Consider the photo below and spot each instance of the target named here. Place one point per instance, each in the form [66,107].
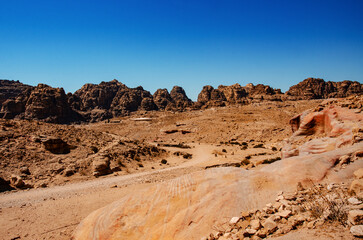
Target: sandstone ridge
[96,102]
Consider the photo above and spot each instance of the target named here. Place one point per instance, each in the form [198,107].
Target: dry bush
[329,205]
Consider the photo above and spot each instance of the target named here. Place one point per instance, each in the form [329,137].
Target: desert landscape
[241,162]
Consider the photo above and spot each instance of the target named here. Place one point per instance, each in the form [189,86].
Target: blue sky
[159,44]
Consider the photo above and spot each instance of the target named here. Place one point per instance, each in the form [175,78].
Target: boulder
[269,225]
[17,181]
[56,145]
[101,166]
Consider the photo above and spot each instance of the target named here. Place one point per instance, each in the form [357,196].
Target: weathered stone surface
[354,201]
[335,123]
[49,104]
[269,225]
[317,88]
[255,224]
[5,185]
[17,181]
[234,220]
[180,98]
[358,173]
[92,96]
[56,145]
[101,166]
[355,217]
[357,231]
[356,186]
[163,99]
[284,213]
[11,89]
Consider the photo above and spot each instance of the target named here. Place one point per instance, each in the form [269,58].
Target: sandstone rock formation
[181,208]
[324,129]
[95,102]
[236,94]
[317,88]
[11,89]
[49,104]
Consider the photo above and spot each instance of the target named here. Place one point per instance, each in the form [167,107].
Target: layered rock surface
[317,88]
[190,206]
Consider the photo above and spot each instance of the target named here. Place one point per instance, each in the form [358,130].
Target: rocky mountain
[11,89]
[95,102]
[317,88]
[236,94]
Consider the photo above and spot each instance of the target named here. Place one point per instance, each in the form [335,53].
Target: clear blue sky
[191,43]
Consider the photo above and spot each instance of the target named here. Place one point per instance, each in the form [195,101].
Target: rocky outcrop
[92,96]
[163,100]
[130,100]
[186,202]
[49,104]
[177,100]
[96,102]
[317,88]
[11,89]
[236,94]
[180,98]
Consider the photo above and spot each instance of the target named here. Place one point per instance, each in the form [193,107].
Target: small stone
[255,224]
[284,229]
[354,201]
[330,186]
[355,217]
[357,230]
[234,220]
[227,235]
[269,225]
[262,233]
[284,214]
[251,231]
[25,170]
[17,181]
[290,196]
[279,198]
[311,224]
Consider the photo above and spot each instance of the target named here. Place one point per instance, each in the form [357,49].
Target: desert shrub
[329,205]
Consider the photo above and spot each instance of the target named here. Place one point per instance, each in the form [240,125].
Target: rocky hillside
[95,102]
[317,88]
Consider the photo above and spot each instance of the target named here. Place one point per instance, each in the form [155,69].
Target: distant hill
[96,102]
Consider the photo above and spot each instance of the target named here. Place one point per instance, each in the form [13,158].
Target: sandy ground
[54,212]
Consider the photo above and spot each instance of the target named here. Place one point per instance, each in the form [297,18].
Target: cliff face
[317,88]
[236,94]
[95,102]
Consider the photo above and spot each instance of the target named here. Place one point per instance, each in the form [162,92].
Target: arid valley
[237,168]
